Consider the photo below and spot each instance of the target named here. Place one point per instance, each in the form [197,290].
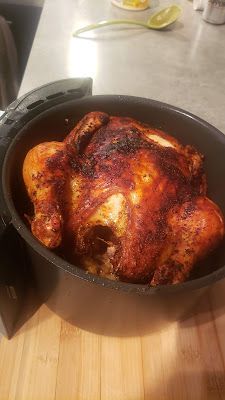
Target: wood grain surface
[50,359]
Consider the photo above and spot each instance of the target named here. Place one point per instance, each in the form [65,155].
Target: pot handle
[44,96]
[14,278]
[13,271]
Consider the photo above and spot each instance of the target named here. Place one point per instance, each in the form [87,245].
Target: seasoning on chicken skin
[124,200]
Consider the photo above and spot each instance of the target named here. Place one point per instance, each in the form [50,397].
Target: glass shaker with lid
[214,11]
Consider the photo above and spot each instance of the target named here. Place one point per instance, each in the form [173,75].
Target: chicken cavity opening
[102,251]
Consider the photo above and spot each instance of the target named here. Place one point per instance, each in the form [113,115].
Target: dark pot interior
[56,122]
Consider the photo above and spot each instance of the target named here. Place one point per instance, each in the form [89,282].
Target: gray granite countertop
[183,66]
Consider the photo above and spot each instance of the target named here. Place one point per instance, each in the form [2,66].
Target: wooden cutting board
[51,359]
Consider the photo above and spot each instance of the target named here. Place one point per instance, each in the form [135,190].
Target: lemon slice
[164,17]
[138,5]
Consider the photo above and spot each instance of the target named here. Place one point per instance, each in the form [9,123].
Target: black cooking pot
[91,302]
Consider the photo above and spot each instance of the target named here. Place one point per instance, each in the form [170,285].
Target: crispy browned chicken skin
[124,200]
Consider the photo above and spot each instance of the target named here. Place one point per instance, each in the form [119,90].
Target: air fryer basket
[65,287]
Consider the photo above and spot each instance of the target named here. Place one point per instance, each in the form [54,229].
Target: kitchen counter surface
[183,66]
[49,358]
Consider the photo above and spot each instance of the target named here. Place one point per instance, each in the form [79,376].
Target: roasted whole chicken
[123,200]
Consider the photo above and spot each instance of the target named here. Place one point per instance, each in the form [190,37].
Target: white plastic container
[198,5]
